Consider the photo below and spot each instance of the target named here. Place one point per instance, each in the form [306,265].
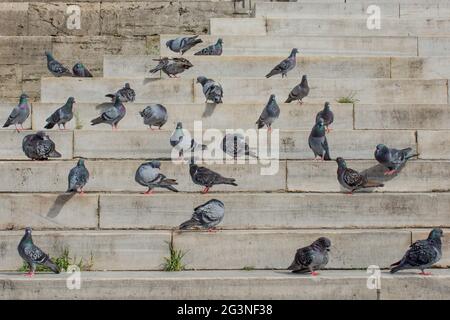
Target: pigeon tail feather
[188,224]
[49,125]
[50,264]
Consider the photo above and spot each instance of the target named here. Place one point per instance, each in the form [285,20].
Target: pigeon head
[272,97]
[304,80]
[436,233]
[71,100]
[49,55]
[201,80]
[127,85]
[381,149]
[326,107]
[23,97]
[294,52]
[169,43]
[42,135]
[155,164]
[219,41]
[179,125]
[323,243]
[28,231]
[79,65]
[341,162]
[80,163]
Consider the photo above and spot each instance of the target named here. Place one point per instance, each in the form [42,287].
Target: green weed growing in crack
[175,261]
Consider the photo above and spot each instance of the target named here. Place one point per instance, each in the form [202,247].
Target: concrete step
[434,144]
[420,67]
[433,46]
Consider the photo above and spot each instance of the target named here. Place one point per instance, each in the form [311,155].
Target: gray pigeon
[327,115]
[235,146]
[148,175]
[126,94]
[78,177]
[270,113]
[422,254]
[112,115]
[39,146]
[299,91]
[351,179]
[56,68]
[33,256]
[172,67]
[211,89]
[79,70]
[318,141]
[312,257]
[393,159]
[182,44]
[154,115]
[212,50]
[206,216]
[19,114]
[207,178]
[284,66]
[178,141]
[62,115]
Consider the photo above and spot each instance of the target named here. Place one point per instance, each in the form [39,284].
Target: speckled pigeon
[78,177]
[318,141]
[39,146]
[299,91]
[62,115]
[19,113]
[270,113]
[79,70]
[172,67]
[351,179]
[212,50]
[178,141]
[154,115]
[126,94]
[327,115]
[148,175]
[284,66]
[422,254]
[206,216]
[182,44]
[112,115]
[56,68]
[207,178]
[393,159]
[211,89]
[33,256]
[235,146]
[312,257]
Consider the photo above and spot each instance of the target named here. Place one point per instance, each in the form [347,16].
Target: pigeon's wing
[34,254]
[353,178]
[304,257]
[420,253]
[55,117]
[110,114]
[15,113]
[209,212]
[206,176]
[319,115]
[208,51]
[57,67]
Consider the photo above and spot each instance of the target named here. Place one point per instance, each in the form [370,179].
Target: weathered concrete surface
[420,67]
[18,211]
[14,19]
[111,250]
[423,234]
[275,249]
[321,177]
[280,210]
[237,26]
[429,9]
[5,111]
[434,46]
[434,144]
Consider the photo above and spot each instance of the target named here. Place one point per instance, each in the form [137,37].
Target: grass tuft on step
[175,261]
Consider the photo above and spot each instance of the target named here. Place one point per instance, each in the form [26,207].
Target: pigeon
[39,146]
[207,178]
[183,44]
[212,50]
[154,115]
[178,141]
[172,67]
[299,91]
[327,115]
[126,94]
[211,89]
[312,257]
[19,114]
[206,216]
[270,113]
[112,115]
[318,141]
[33,256]
[284,66]
[79,70]
[62,115]
[393,159]
[235,146]
[422,254]
[148,175]
[56,68]
[78,177]
[351,179]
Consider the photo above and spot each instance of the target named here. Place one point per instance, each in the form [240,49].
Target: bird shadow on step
[60,202]
[376,173]
[209,110]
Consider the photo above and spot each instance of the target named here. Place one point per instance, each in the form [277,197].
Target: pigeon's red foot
[350,193]
[81,192]
[328,130]
[269,130]
[148,192]
[29,274]
[314,273]
[390,172]
[204,191]
[423,273]
[212,230]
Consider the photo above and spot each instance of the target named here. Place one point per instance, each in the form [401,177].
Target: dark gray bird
[393,159]
[154,115]
[312,257]
[327,115]
[126,94]
[207,178]
[56,68]
[62,115]
[206,216]
[148,175]
[299,91]
[270,113]
[211,89]
[34,256]
[212,50]
[172,67]
[39,146]
[318,141]
[19,113]
[178,141]
[351,179]
[284,66]
[183,44]
[112,115]
[78,177]
[235,146]
[79,70]
[422,254]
